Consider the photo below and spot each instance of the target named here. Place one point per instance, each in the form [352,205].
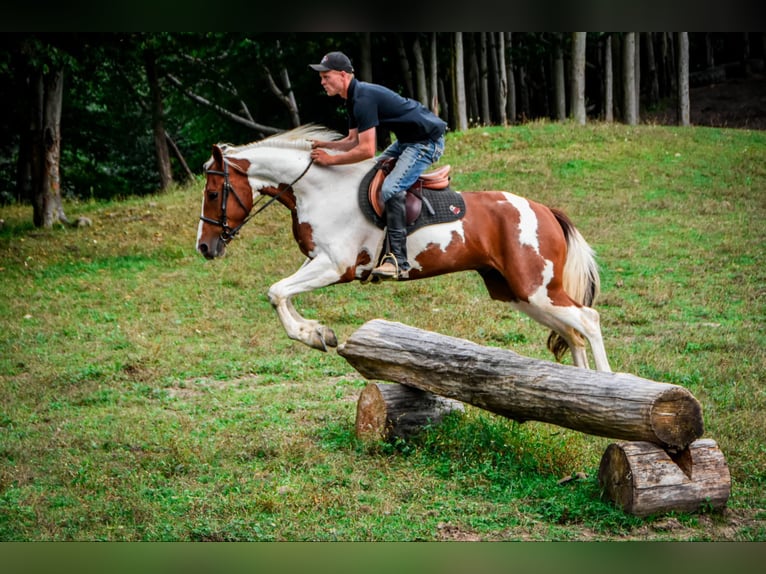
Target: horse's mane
[297,138]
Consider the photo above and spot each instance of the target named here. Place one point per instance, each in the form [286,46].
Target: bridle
[228,233]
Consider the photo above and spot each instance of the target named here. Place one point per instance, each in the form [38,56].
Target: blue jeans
[413,159]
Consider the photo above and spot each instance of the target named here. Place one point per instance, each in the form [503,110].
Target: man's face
[332,82]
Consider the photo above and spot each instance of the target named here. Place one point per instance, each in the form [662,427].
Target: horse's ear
[217,154]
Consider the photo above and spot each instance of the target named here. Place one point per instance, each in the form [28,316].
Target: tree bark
[511,79]
[608,80]
[578,77]
[559,81]
[365,65]
[486,120]
[462,118]
[653,93]
[644,479]
[158,123]
[434,103]
[683,79]
[613,405]
[389,411]
[629,78]
[502,75]
[404,65]
[48,92]
[420,71]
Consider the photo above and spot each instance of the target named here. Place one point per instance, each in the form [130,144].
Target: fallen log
[388,411]
[643,479]
[613,405]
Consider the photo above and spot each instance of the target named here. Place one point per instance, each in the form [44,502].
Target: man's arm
[355,147]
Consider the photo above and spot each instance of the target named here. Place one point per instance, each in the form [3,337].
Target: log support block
[389,411]
[643,478]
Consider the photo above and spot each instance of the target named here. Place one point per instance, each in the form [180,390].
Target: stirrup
[398,272]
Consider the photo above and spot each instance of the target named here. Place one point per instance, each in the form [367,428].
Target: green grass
[146,394]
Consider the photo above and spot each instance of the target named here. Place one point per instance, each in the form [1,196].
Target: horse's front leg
[315,273]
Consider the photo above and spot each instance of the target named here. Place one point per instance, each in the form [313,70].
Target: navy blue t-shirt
[371,105]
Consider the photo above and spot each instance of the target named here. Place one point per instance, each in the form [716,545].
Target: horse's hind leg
[572,323]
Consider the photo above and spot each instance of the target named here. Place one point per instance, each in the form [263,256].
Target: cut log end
[676,418]
[644,479]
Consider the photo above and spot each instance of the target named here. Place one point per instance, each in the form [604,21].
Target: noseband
[228,233]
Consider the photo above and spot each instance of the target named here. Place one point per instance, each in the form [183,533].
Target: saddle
[435,180]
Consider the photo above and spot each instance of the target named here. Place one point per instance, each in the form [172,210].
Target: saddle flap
[374,193]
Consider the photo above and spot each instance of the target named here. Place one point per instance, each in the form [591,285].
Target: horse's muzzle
[216,247]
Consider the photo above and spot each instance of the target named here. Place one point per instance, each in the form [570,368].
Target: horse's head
[226,204]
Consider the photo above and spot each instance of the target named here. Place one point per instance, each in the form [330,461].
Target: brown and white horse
[529,255]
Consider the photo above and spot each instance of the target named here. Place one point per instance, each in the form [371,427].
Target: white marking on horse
[527,221]
[441,235]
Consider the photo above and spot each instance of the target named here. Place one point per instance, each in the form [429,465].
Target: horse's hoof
[329,338]
[322,338]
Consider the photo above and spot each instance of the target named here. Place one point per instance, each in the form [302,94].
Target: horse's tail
[581,278]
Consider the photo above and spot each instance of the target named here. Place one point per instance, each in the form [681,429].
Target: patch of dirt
[733,103]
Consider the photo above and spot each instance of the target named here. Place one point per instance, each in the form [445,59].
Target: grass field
[147,394]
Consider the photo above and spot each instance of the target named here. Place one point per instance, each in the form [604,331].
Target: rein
[229,233]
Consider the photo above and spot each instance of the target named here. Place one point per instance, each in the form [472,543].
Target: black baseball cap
[334,61]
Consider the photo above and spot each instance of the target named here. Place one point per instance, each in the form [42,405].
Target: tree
[511,78]
[559,80]
[578,77]
[43,77]
[158,119]
[462,117]
[683,78]
[630,100]
[502,73]
[608,80]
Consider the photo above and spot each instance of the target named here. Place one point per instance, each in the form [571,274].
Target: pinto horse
[529,255]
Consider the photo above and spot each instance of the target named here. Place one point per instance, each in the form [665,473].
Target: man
[419,143]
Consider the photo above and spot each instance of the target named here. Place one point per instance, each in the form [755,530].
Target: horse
[529,255]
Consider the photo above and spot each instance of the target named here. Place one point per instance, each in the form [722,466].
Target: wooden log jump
[613,405]
[664,467]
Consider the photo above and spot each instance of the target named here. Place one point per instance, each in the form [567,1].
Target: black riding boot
[395,264]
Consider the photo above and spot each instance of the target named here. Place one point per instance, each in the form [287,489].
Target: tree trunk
[486,119]
[653,94]
[683,79]
[615,405]
[608,81]
[526,110]
[420,72]
[46,149]
[364,70]
[578,77]
[473,83]
[644,479]
[404,65]
[502,72]
[559,81]
[511,79]
[158,123]
[637,73]
[389,411]
[462,117]
[434,103]
[629,78]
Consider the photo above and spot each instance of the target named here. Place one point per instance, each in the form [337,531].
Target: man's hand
[321,157]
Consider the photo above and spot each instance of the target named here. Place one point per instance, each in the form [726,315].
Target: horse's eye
[212,195]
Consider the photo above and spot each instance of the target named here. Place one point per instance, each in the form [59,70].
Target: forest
[106,115]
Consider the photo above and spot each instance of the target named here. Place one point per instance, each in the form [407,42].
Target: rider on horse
[419,143]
